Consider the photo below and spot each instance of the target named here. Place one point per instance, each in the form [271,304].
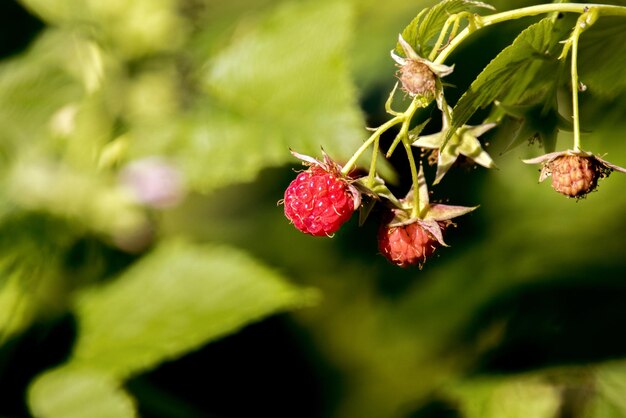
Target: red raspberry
[406,245]
[574,175]
[318,202]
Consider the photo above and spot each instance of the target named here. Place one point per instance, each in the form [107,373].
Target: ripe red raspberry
[574,175]
[406,245]
[318,201]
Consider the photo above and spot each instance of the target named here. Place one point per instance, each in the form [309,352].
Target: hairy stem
[372,172]
[414,178]
[442,35]
[404,118]
[373,138]
[407,116]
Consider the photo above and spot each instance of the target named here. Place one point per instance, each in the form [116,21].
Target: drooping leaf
[537,121]
[174,300]
[424,29]
[284,83]
[77,393]
[528,66]
[602,56]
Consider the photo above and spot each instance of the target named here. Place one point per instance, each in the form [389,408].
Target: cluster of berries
[321,199]
[324,196]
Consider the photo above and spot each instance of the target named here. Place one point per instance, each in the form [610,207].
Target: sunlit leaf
[283,83]
[602,56]
[522,69]
[115,23]
[424,29]
[33,87]
[516,397]
[174,300]
[77,393]
[609,401]
[97,202]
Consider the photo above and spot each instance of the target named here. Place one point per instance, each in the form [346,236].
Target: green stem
[406,116]
[482,21]
[574,73]
[584,21]
[372,139]
[442,35]
[372,172]
[414,178]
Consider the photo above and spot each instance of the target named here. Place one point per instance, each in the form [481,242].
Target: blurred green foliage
[105,298]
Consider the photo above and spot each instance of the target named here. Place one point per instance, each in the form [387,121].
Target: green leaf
[78,393]
[93,200]
[283,84]
[537,121]
[521,70]
[115,23]
[424,29]
[516,397]
[174,300]
[33,86]
[609,387]
[32,278]
[602,56]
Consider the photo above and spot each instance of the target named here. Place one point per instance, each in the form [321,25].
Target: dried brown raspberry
[417,78]
[418,75]
[574,175]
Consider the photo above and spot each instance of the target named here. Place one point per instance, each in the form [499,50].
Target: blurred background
[146,269]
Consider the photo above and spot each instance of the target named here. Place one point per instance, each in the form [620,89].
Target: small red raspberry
[406,245]
[318,202]
[574,175]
